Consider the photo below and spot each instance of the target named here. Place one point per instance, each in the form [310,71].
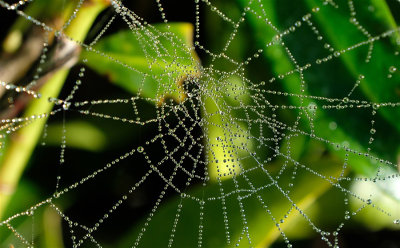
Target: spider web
[222,160]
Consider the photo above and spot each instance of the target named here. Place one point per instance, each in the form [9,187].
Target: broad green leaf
[152,62]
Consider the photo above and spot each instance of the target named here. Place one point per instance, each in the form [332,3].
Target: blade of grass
[377,87]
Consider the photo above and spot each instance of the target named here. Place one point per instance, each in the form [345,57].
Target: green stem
[23,142]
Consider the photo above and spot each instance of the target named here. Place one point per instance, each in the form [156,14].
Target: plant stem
[23,142]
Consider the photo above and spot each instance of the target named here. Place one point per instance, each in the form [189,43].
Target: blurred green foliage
[331,79]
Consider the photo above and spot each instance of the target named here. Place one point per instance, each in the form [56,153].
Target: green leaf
[380,85]
[342,135]
[152,62]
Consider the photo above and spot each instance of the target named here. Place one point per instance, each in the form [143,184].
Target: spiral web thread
[235,152]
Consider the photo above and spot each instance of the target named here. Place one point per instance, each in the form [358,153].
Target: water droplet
[312,107]
[316,9]
[140,149]
[392,69]
[332,125]
[66,105]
